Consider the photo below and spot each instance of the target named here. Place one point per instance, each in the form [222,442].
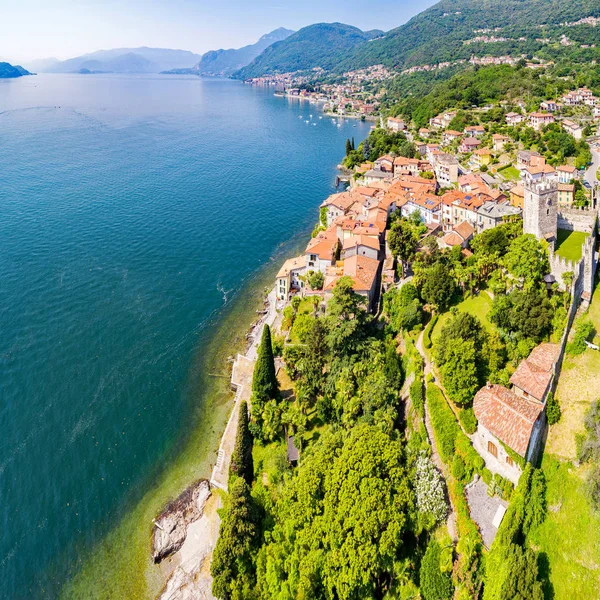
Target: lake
[133,212]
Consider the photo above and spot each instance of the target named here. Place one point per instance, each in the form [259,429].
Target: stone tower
[540,208]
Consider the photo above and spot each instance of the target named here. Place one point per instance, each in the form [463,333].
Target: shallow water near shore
[138,214]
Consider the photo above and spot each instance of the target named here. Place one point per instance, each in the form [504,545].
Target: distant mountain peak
[225,62]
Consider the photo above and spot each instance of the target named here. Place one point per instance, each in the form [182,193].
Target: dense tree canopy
[341,522]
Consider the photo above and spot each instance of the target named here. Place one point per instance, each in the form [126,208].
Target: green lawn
[569,538]
[510,173]
[569,244]
[479,306]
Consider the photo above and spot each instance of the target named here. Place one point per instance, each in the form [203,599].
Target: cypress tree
[348,147]
[241,459]
[353,146]
[232,566]
[264,380]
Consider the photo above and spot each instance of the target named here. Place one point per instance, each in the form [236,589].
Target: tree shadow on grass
[544,572]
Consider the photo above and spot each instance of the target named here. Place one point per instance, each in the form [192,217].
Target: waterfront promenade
[241,380]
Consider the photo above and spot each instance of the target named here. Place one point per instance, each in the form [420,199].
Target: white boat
[314,124]
[306,122]
[339,124]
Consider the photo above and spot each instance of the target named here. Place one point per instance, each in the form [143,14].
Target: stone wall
[577,219]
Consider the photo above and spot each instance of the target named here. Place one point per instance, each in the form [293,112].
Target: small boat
[314,124]
[306,122]
[339,124]
[299,116]
[320,117]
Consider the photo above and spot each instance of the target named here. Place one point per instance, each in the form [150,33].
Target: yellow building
[517,196]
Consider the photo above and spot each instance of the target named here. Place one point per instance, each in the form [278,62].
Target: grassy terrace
[479,306]
[510,173]
[569,538]
[569,244]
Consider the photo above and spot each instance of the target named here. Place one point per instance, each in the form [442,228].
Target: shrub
[553,411]
[435,585]
[468,420]
[473,462]
[583,332]
[486,475]
[429,491]
[416,395]
[445,427]
[428,330]
[592,486]
[315,279]
[458,468]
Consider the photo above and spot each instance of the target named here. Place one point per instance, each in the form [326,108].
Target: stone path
[241,380]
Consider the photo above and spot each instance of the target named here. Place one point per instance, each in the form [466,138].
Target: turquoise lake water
[132,210]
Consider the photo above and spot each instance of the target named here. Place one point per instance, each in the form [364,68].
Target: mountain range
[8,71]
[119,60]
[224,62]
[448,31]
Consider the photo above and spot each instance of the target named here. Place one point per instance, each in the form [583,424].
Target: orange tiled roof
[323,244]
[452,239]
[507,416]
[535,372]
[292,264]
[363,271]
[361,240]
[465,230]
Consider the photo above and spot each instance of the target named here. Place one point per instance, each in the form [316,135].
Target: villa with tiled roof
[511,421]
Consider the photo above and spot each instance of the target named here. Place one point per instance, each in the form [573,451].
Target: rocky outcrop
[170,527]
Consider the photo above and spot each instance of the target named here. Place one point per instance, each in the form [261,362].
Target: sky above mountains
[32,29]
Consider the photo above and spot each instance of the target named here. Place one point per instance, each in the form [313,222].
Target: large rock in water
[170,527]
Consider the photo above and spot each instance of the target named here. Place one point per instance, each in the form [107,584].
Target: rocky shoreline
[187,529]
[170,527]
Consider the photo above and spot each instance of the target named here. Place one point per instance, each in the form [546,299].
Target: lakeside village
[453,197]
[358,94]
[437,296]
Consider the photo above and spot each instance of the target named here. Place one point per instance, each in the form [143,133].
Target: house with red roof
[510,422]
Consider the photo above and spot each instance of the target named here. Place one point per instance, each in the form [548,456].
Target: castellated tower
[540,208]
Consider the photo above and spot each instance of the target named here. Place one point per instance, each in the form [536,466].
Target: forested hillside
[319,45]
[437,34]
[449,31]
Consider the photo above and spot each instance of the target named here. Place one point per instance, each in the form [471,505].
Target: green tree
[459,371]
[553,411]
[341,522]
[435,585]
[241,459]
[264,380]
[461,326]
[438,286]
[403,241]
[527,258]
[316,279]
[346,318]
[521,579]
[348,147]
[232,564]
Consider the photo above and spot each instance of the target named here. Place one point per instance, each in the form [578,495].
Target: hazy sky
[65,28]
